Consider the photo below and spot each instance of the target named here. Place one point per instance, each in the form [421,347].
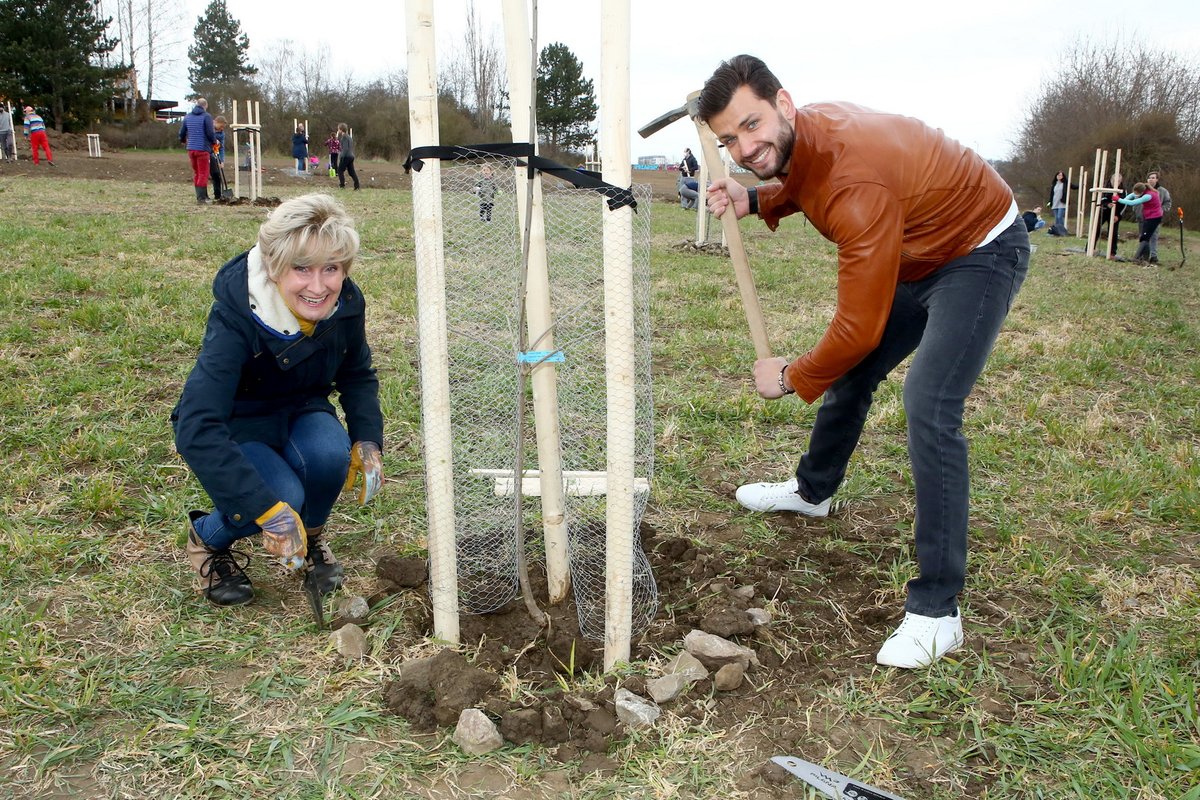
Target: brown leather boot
[221,576]
[322,563]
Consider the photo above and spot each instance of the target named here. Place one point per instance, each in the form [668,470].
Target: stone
[476,734]
[687,665]
[758,616]
[667,687]
[350,641]
[729,677]
[634,711]
[726,622]
[715,652]
[351,611]
[744,592]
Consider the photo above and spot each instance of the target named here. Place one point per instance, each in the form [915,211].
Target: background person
[1146,199]
[345,156]
[334,147]
[300,150]
[254,421]
[8,141]
[35,132]
[689,166]
[216,159]
[1164,198]
[1058,203]
[931,253]
[199,135]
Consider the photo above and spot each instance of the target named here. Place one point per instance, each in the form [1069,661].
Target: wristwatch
[753,193]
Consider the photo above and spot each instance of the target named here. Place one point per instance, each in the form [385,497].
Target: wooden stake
[1093,220]
[431,322]
[1114,208]
[237,154]
[1067,199]
[619,356]
[1083,187]
[256,192]
[702,180]
[539,315]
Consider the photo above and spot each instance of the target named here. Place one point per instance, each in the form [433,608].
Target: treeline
[1142,100]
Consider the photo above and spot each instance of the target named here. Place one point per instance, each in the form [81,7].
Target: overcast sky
[970,68]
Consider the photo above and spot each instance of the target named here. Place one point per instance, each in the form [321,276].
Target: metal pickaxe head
[689,109]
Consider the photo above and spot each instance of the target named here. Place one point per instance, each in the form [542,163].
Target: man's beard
[783,149]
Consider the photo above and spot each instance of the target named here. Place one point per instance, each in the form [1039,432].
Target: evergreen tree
[566,101]
[218,54]
[50,53]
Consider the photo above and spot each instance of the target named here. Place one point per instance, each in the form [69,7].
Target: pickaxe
[733,235]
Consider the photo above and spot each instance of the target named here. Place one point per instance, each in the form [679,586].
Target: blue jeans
[307,474]
[951,319]
[1060,219]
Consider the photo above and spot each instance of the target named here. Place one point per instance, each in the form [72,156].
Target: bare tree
[486,70]
[142,46]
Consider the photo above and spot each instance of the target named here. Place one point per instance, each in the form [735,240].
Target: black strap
[523,153]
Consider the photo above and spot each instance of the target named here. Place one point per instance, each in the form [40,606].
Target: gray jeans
[950,319]
[7,145]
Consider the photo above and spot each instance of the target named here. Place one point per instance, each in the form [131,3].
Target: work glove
[284,535]
[365,460]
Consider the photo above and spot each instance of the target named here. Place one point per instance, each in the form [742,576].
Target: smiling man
[931,253]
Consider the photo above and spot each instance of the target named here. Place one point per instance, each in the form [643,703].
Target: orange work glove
[366,460]
[284,535]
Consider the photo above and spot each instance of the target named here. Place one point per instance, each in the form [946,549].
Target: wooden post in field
[1094,219]
[431,322]
[237,168]
[539,317]
[256,166]
[619,356]
[1066,200]
[1115,208]
[702,180]
[1083,187]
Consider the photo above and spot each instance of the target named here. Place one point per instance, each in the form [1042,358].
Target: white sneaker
[780,497]
[919,641]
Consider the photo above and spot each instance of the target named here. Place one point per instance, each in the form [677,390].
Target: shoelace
[224,564]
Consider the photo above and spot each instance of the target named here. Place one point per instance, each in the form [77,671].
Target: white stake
[256,192]
[620,356]
[237,154]
[1115,208]
[706,174]
[431,322]
[538,313]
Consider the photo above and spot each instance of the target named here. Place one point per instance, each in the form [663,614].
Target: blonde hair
[312,229]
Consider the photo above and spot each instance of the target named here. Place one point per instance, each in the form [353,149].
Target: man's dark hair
[733,74]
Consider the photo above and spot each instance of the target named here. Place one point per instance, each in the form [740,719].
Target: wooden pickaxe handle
[733,236]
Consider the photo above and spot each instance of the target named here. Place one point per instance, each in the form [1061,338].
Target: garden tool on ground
[831,784]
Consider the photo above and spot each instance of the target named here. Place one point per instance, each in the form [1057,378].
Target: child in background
[334,147]
[217,159]
[485,188]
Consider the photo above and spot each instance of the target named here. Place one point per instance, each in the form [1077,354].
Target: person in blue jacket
[300,150]
[197,132]
[254,421]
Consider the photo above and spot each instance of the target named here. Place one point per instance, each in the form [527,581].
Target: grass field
[1082,609]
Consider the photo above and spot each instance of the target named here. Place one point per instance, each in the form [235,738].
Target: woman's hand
[366,460]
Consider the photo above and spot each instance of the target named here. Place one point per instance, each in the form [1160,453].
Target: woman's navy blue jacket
[249,383]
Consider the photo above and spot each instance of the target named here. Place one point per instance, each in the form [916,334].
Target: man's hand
[724,191]
[365,460]
[767,372]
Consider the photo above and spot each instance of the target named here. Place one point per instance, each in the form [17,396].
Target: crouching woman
[254,421]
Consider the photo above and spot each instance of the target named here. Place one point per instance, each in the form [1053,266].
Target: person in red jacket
[931,253]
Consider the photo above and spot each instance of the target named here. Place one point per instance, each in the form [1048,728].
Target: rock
[687,665]
[758,616]
[581,703]
[715,652]
[726,622]
[351,611]
[667,687]
[476,734]
[634,711]
[744,592]
[350,641]
[729,677]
